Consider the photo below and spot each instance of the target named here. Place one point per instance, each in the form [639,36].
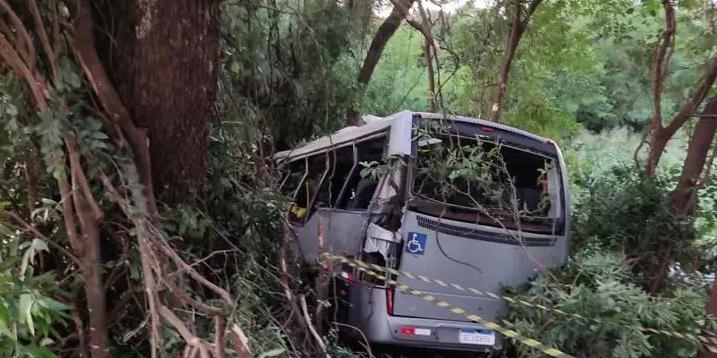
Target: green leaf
[11,110]
[74,80]
[25,306]
[35,246]
[53,304]
[272,353]
[4,321]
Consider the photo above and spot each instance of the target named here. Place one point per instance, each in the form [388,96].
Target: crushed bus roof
[375,124]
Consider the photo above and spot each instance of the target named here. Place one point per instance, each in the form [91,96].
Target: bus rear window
[470,179]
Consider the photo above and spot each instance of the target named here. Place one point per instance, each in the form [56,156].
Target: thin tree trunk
[89,217]
[94,288]
[694,165]
[384,33]
[658,143]
[429,54]
[663,53]
[511,46]
[657,134]
[33,175]
[658,137]
[516,34]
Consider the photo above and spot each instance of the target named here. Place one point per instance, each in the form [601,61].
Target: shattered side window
[341,162]
[309,188]
[296,172]
[359,190]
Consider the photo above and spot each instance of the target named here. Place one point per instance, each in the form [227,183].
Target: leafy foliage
[599,285]
[288,74]
[29,317]
[289,66]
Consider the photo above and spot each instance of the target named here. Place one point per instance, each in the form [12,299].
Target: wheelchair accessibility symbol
[416,243]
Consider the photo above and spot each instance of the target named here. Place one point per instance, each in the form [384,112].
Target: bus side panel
[470,262]
[341,233]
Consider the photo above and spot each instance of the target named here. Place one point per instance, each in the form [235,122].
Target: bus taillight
[389,300]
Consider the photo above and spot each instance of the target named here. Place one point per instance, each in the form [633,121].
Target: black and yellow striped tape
[709,343]
[527,341]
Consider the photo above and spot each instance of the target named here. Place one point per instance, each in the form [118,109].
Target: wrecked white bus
[460,200]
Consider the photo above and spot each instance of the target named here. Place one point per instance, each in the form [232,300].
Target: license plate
[471,336]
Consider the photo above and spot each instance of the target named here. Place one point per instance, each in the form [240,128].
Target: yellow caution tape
[532,343]
[710,343]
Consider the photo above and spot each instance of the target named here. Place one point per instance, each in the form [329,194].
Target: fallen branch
[307,318]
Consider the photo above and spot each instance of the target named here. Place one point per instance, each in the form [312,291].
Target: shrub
[622,212]
[29,317]
[598,285]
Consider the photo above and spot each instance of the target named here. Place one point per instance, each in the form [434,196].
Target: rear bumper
[443,334]
[369,313]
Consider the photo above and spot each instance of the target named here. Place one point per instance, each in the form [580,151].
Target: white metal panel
[399,143]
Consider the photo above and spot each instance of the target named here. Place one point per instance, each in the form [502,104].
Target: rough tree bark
[163,58]
[384,33]
[519,24]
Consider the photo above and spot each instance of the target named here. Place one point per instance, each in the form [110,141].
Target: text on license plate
[471,336]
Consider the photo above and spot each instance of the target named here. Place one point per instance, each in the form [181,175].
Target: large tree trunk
[711,310]
[516,33]
[384,33]
[684,197]
[163,58]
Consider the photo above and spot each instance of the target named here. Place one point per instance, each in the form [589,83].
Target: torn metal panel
[380,240]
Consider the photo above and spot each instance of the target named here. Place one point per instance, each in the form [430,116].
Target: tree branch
[79,179]
[529,12]
[661,62]
[39,235]
[169,252]
[404,11]
[23,36]
[691,106]
[312,330]
[55,21]
[44,39]
[13,60]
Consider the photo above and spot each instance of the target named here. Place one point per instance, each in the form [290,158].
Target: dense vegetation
[113,247]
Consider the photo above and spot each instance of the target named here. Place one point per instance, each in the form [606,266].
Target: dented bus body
[394,218]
